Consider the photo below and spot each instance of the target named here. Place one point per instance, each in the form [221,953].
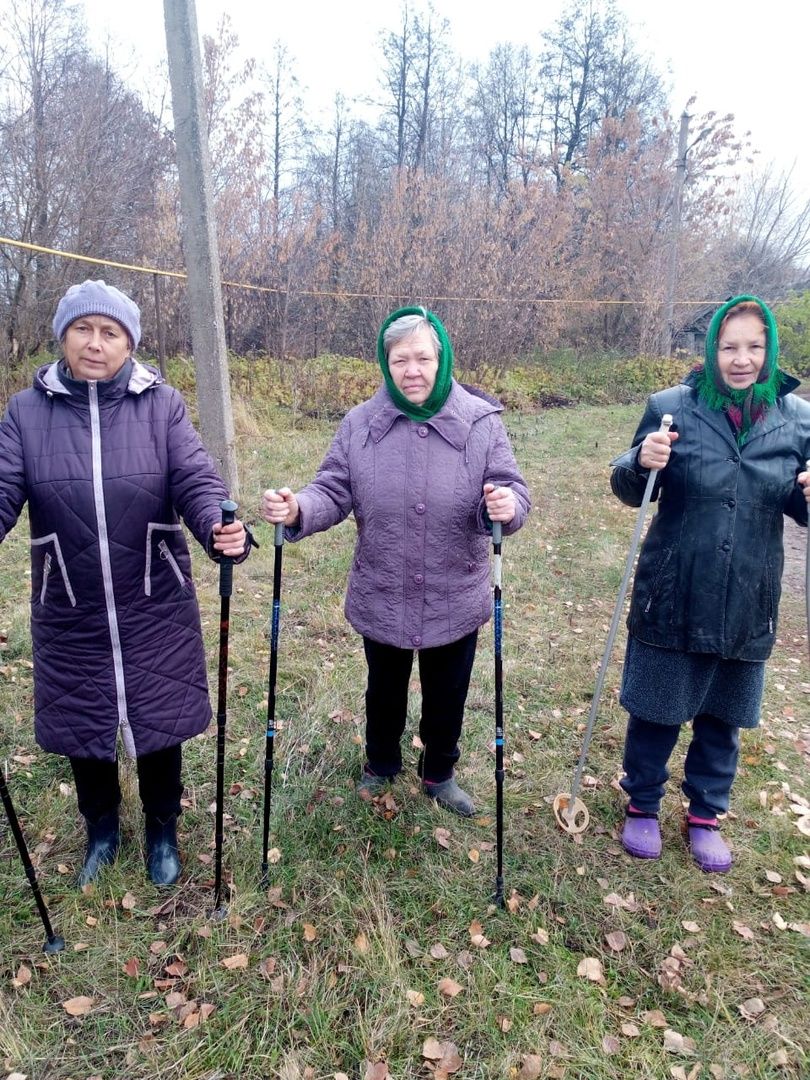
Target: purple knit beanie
[97,298]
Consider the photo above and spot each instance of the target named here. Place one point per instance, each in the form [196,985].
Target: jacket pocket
[656,581]
[164,554]
[48,571]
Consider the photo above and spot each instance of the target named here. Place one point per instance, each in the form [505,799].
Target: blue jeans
[709,770]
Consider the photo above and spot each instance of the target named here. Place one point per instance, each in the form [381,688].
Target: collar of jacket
[453,421]
[772,419]
[141,377]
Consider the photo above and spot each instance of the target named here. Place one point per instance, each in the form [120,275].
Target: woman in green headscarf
[426,466]
[705,600]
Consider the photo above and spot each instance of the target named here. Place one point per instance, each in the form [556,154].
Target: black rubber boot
[102,845]
[162,856]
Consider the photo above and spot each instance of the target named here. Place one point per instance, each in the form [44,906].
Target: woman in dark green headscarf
[426,467]
[705,600]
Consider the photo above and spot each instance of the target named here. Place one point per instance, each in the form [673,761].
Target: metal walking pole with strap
[278,541]
[497,621]
[229,509]
[570,812]
[54,943]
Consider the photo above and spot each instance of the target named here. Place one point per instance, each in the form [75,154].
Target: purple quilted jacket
[420,575]
[105,469]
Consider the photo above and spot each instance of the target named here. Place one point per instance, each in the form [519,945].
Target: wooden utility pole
[675,233]
[200,238]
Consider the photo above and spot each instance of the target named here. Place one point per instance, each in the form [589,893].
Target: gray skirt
[664,686]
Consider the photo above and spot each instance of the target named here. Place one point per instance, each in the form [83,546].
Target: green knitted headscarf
[744,407]
[444,376]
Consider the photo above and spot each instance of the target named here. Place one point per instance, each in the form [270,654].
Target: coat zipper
[46,573]
[654,587]
[167,556]
[106,570]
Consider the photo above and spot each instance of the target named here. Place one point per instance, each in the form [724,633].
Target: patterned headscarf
[743,407]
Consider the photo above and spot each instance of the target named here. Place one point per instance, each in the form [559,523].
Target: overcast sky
[754,66]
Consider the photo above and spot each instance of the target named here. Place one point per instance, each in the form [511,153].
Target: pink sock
[693,819]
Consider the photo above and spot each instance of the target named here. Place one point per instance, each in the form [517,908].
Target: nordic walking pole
[228,508]
[278,541]
[54,944]
[497,536]
[570,812]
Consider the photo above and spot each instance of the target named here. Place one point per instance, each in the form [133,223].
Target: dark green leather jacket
[708,578]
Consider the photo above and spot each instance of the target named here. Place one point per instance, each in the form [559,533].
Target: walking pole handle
[228,508]
[278,535]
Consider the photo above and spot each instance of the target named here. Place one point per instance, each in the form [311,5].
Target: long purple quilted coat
[420,575]
[106,468]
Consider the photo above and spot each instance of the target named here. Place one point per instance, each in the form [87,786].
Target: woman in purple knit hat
[103,453]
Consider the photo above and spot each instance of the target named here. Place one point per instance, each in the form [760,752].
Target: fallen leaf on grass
[630,1030]
[176,999]
[274,855]
[611,1045]
[744,931]
[78,1006]
[518,956]
[377,1070]
[752,1008]
[772,876]
[540,1008]
[655,1018]
[361,943]
[591,968]
[532,1067]
[616,940]
[442,837]
[177,969]
[128,902]
[438,951]
[17,1076]
[691,927]
[309,931]
[717,1072]
[157,947]
[132,967]
[675,1043]
[443,1056]
[22,978]
[232,963]
[778,1058]
[473,855]
[678,1072]
[449,987]
[415,998]
[540,937]
[504,1024]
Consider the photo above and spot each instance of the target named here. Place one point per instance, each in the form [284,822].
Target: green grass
[374,886]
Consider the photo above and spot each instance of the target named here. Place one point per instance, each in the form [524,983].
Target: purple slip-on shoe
[641,836]
[709,849]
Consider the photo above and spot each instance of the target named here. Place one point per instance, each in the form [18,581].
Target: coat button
[416,640]
[418,578]
[420,508]
[422,432]
[471,566]
[725,546]
[731,504]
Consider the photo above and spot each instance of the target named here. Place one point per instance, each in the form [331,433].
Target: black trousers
[444,674]
[159,784]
